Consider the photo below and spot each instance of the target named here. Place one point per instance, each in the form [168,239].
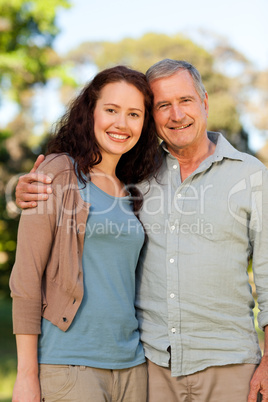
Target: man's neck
[190,158]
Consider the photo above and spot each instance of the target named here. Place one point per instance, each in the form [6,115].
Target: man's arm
[33,187]
[259,381]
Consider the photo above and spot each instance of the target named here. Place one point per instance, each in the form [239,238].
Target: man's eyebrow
[115,105]
[160,103]
[186,97]
[180,99]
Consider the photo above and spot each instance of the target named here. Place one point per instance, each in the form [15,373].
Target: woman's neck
[107,165]
[103,176]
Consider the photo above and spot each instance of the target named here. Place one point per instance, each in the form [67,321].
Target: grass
[8,361]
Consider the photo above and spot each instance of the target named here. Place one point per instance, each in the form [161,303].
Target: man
[205,215]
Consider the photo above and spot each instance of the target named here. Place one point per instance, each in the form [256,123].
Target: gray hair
[168,67]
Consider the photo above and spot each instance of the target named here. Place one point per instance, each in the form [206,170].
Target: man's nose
[176,113]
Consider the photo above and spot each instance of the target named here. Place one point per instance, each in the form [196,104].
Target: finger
[37,163]
[252,396]
[27,200]
[264,393]
[34,177]
[28,197]
[25,205]
[30,193]
[33,188]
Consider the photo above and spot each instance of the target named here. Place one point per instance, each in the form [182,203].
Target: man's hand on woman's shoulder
[33,187]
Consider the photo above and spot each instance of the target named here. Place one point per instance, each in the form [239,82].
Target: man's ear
[206,103]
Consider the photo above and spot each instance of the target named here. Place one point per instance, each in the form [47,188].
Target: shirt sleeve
[259,238]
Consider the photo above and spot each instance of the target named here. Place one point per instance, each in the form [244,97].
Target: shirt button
[171,260]
[172,295]
[173,330]
[175,167]
[179,196]
[172,227]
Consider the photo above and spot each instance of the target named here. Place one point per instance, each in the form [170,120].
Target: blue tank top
[104,332]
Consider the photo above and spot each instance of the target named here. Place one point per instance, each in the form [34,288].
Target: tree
[27,33]
[249,85]
[143,52]
[27,60]
[257,99]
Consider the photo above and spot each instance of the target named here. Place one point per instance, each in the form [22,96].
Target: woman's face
[118,118]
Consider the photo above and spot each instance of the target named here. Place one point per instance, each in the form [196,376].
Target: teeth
[181,127]
[118,136]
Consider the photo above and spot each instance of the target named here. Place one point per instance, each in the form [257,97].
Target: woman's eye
[134,114]
[110,110]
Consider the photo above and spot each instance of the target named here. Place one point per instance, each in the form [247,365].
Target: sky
[242,22]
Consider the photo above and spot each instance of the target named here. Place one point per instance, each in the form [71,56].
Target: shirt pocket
[217,220]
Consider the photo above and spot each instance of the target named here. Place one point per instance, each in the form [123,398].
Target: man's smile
[180,127]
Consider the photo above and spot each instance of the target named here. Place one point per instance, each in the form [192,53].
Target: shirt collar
[223,148]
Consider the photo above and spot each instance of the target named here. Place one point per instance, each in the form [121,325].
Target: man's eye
[163,106]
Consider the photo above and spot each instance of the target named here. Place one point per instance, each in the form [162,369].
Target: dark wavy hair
[74,133]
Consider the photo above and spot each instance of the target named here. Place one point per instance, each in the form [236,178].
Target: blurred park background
[50,48]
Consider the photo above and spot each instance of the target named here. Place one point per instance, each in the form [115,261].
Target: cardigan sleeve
[37,230]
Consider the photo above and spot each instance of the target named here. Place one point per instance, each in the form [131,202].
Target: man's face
[180,115]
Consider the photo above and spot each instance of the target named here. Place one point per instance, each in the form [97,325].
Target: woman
[73,280]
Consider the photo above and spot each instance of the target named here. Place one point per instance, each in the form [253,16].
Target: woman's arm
[27,387]
[36,238]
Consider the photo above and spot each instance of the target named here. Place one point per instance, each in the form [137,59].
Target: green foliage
[10,169]
[27,32]
[7,352]
[258,105]
[143,52]
[223,115]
